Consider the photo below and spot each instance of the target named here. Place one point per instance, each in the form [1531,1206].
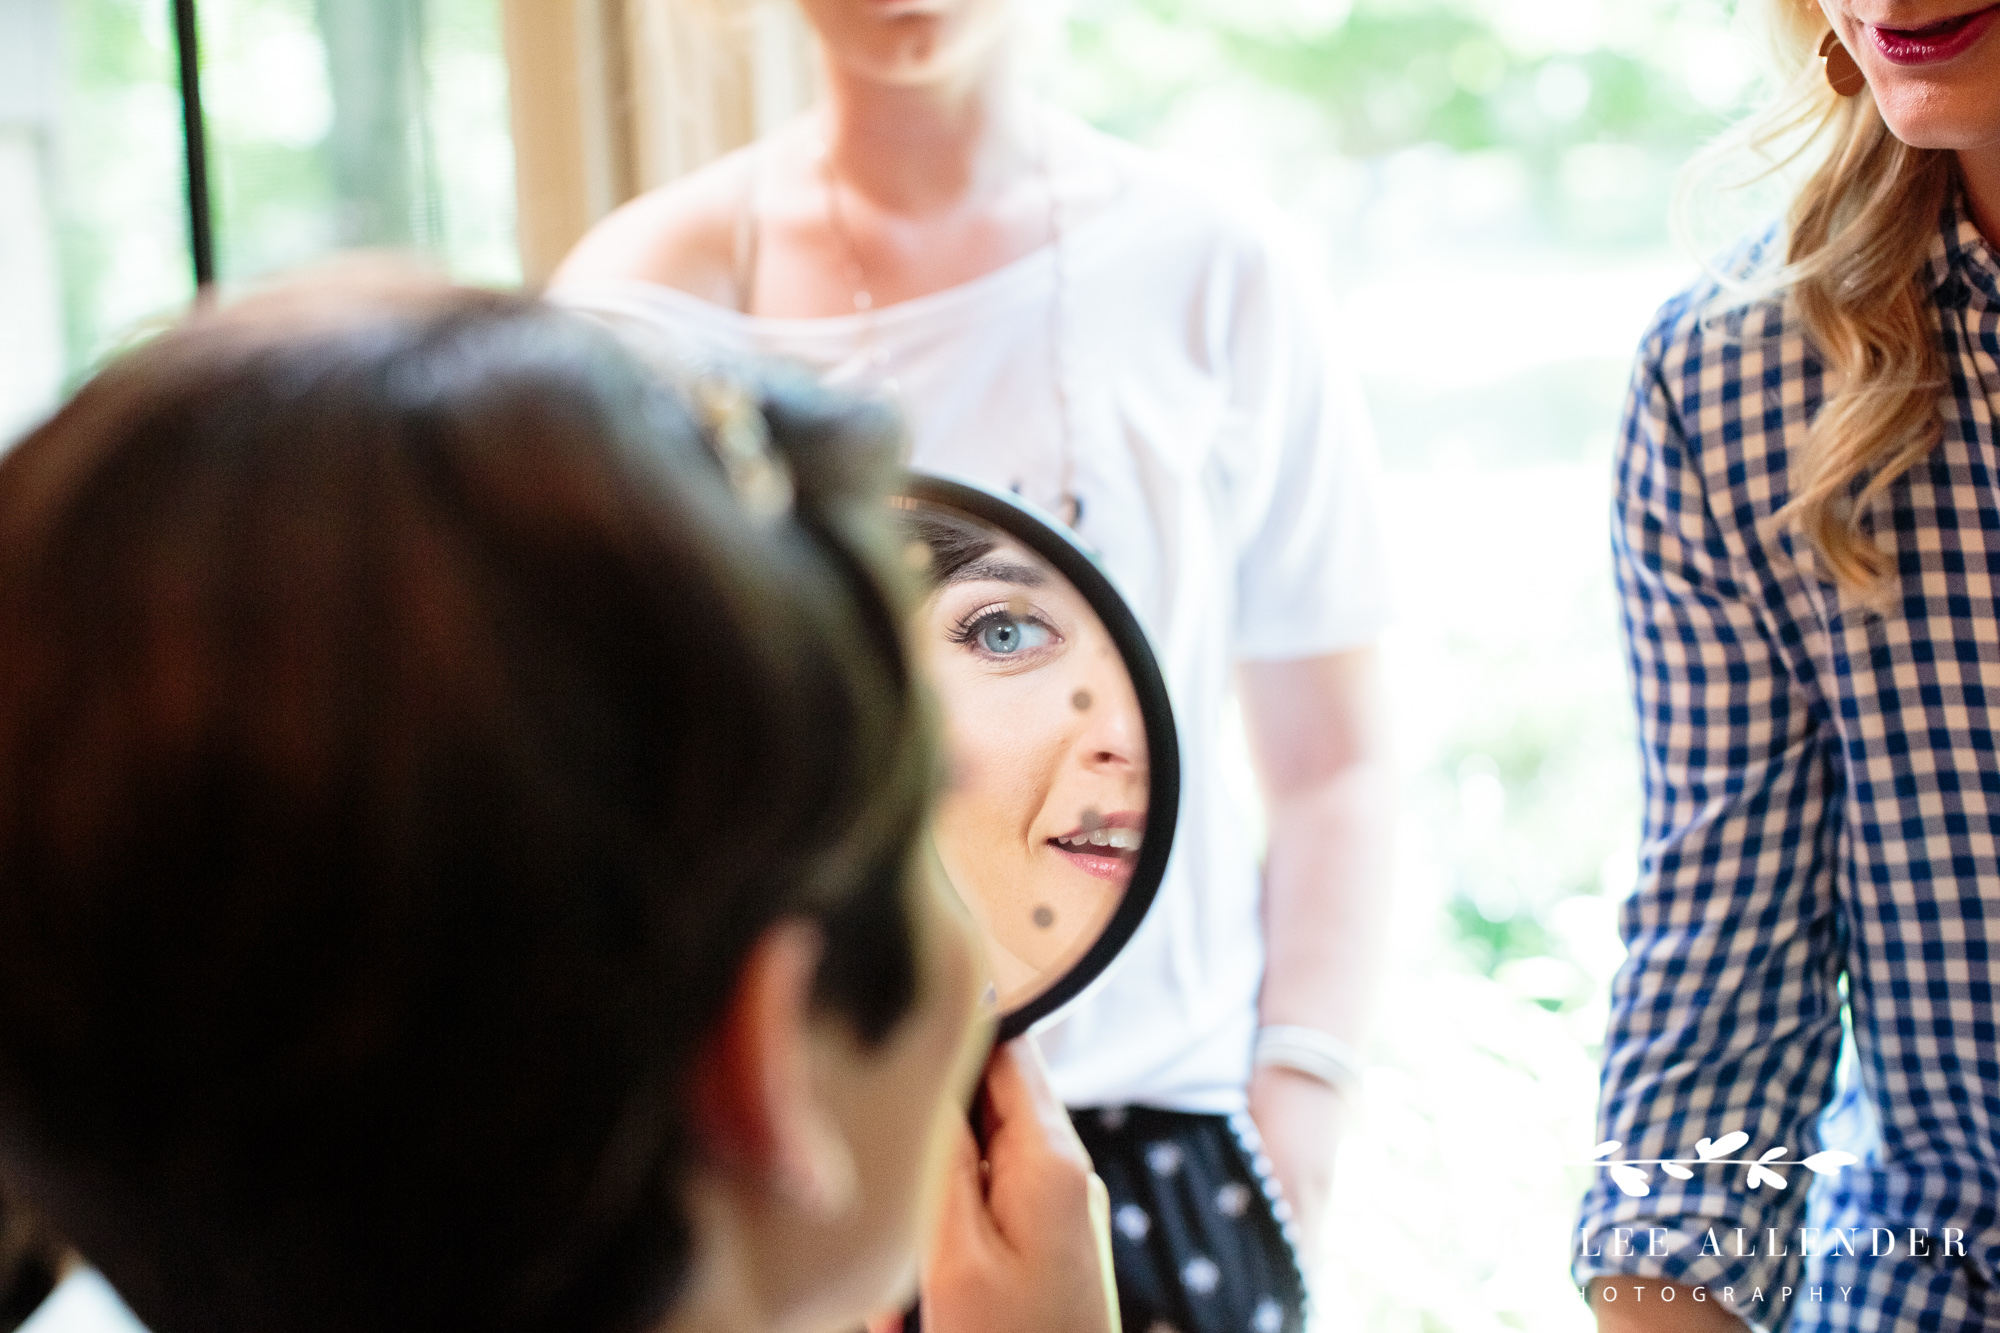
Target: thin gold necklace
[1069,505]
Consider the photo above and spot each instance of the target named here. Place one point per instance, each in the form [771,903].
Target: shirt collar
[1960,251]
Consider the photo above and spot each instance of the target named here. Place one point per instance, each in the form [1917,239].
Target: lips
[1934,43]
[1106,847]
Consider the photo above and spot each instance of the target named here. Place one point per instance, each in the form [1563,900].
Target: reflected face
[1041,826]
[908,42]
[1933,66]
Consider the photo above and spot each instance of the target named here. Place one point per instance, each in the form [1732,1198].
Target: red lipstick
[1934,43]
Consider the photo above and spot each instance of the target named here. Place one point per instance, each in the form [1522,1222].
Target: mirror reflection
[1045,811]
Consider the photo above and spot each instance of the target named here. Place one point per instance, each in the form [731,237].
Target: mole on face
[1044,915]
[1090,821]
[1081,701]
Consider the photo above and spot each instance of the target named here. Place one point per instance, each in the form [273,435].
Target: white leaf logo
[1829,1163]
[1632,1180]
[1710,1149]
[1628,1176]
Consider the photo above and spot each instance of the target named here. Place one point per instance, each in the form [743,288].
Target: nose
[1113,736]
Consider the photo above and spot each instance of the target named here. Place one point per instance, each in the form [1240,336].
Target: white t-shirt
[1226,476]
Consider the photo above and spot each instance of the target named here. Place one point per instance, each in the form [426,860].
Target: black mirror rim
[1047,538]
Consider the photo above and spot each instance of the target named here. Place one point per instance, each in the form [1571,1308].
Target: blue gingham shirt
[1822,816]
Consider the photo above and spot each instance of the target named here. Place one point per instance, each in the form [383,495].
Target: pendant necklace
[1069,505]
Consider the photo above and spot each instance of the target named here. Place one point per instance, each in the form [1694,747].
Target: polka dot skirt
[1200,1233]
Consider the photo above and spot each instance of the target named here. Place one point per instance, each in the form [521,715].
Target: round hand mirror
[1065,769]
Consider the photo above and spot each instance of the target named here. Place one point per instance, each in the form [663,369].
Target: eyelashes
[1034,635]
[967,627]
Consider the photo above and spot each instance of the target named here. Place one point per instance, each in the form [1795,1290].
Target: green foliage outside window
[121,229]
[332,124]
[1535,81]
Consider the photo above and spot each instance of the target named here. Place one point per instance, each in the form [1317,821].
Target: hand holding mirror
[1064,764]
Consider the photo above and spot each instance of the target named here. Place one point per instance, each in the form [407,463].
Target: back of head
[405,732]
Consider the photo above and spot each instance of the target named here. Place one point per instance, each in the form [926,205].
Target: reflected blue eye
[1000,634]
[1004,635]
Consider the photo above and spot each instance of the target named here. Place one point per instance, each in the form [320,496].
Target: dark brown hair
[404,734]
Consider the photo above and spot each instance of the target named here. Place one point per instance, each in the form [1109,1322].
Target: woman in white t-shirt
[1059,313]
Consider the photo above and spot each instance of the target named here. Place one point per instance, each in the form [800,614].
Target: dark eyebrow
[998,571]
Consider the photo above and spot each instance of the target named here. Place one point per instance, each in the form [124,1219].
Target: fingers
[1038,1195]
[1029,1252]
[1022,1105]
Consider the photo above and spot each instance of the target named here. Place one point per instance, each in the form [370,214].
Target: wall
[614,97]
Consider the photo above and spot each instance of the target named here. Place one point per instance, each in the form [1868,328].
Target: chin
[926,69]
[1957,114]
[928,49]
[873,1290]
[898,1293]
[1919,120]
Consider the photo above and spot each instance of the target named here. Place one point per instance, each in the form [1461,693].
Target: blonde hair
[1859,232]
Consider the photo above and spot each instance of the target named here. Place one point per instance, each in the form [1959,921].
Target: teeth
[1118,839]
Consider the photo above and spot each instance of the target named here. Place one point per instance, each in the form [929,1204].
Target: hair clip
[741,441]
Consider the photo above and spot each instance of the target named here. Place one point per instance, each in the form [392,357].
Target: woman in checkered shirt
[1808,550]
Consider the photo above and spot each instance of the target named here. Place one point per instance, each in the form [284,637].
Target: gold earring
[1842,73]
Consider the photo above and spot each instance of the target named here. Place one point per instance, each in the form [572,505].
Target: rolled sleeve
[1726,1015]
